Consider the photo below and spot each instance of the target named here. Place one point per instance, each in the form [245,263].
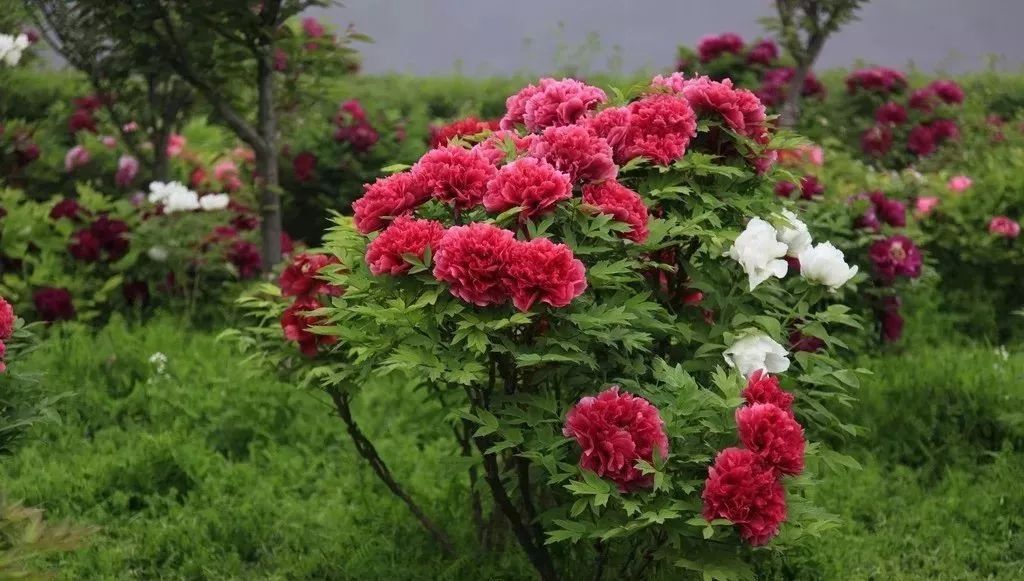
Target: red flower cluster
[300,280]
[296,322]
[895,256]
[528,183]
[386,199]
[577,151]
[468,127]
[67,208]
[744,485]
[454,176]
[876,80]
[102,236]
[7,320]
[353,127]
[741,109]
[551,103]
[615,430]
[710,48]
[625,205]
[927,133]
[810,188]
[405,236]
[245,256]
[881,209]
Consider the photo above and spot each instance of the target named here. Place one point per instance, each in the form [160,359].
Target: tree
[802,27]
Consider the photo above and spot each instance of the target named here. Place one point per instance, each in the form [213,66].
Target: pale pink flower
[925,205]
[75,158]
[959,183]
[175,145]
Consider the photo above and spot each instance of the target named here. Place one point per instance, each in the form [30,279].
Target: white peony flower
[11,48]
[211,202]
[824,264]
[157,253]
[759,252]
[796,237]
[174,196]
[754,352]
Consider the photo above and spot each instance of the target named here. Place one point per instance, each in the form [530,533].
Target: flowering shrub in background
[591,241]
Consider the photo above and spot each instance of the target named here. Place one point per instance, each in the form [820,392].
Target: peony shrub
[600,299]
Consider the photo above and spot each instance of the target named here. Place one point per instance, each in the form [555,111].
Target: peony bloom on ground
[615,430]
[774,435]
[895,256]
[1003,226]
[711,47]
[625,205]
[405,236]
[764,388]
[127,169]
[245,256]
[742,489]
[794,235]
[472,260]
[757,352]
[759,252]
[296,322]
[386,199]
[468,127]
[959,184]
[925,205]
[301,277]
[454,175]
[7,319]
[53,304]
[528,183]
[661,126]
[577,151]
[876,141]
[826,265]
[540,270]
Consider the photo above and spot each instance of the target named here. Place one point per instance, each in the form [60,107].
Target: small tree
[802,27]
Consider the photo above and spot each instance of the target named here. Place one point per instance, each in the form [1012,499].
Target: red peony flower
[615,430]
[6,319]
[625,205]
[895,256]
[454,175]
[66,208]
[300,278]
[921,141]
[576,151]
[661,127]
[111,235]
[405,236]
[773,434]
[468,127]
[923,100]
[135,292]
[1003,226]
[540,270]
[891,113]
[558,103]
[764,388]
[528,183]
[944,129]
[613,124]
[84,246]
[876,141]
[493,149]
[710,48]
[81,119]
[280,60]
[515,107]
[948,91]
[245,256]
[472,260]
[295,322]
[876,79]
[742,489]
[892,212]
[890,319]
[765,52]
[53,304]
[386,199]
[741,110]
[304,166]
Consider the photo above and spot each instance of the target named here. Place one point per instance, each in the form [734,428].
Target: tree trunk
[161,161]
[266,165]
[791,108]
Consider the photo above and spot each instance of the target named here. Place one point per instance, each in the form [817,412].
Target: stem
[367,450]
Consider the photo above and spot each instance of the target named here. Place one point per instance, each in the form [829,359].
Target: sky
[495,37]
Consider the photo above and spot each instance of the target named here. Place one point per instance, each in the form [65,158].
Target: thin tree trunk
[161,161]
[266,160]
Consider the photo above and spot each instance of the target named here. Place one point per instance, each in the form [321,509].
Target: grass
[201,472]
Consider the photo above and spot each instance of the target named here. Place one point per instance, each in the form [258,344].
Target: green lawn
[205,473]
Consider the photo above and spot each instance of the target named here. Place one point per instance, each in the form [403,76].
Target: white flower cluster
[177,198]
[11,48]
[760,249]
[159,362]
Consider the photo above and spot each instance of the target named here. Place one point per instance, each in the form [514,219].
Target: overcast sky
[489,37]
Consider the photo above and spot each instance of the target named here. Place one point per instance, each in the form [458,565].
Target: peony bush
[601,296]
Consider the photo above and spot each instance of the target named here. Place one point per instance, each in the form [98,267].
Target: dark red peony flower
[625,205]
[765,52]
[876,141]
[386,199]
[468,127]
[890,320]
[891,113]
[741,110]
[773,434]
[7,319]
[405,236]
[304,166]
[81,119]
[921,141]
[764,388]
[528,183]
[300,278]
[245,256]
[454,175]
[576,151]
[360,136]
[84,246]
[494,148]
[895,256]
[558,103]
[785,189]
[710,48]
[944,129]
[540,270]
[869,219]
[661,127]
[112,236]
[296,322]
[877,80]
[53,304]
[472,260]
[800,342]
[135,292]
[811,187]
[25,152]
[742,489]
[948,91]
[892,212]
[923,100]
[615,430]
[66,208]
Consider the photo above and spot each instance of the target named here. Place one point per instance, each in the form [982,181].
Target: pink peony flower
[925,205]
[1003,226]
[226,172]
[773,434]
[959,184]
[764,388]
[625,205]
[405,236]
[891,113]
[302,276]
[468,127]
[130,127]
[895,256]
[540,270]
[493,149]
[472,260]
[741,110]
[613,124]
[7,319]
[312,27]
[454,175]
[175,145]
[127,169]
[661,126]
[75,158]
[528,183]
[515,107]
[296,322]
[710,48]
[615,430]
[576,151]
[386,199]
[742,489]
[560,103]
